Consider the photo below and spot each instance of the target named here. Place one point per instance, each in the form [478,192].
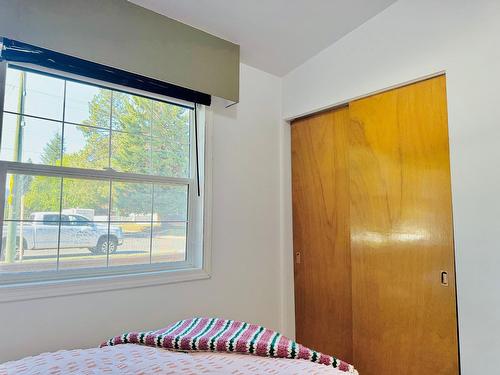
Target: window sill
[36,290]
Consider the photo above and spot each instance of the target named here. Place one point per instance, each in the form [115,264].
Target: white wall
[252,249]
[287,257]
[246,261]
[408,40]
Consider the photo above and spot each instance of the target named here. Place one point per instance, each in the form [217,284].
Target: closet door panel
[321,233]
[404,317]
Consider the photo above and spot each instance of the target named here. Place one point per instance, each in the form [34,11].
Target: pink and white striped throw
[221,335]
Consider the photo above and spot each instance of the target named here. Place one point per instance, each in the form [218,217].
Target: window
[95,179]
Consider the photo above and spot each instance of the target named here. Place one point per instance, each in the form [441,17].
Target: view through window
[95,178]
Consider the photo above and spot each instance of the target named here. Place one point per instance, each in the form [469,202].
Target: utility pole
[14,198]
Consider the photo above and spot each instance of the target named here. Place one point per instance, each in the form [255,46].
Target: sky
[44,98]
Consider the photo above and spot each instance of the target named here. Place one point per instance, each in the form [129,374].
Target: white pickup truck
[76,232]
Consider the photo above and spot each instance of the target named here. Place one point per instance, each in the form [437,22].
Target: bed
[140,359]
[192,346]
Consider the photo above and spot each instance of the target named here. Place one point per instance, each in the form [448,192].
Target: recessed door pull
[297,257]
[444,278]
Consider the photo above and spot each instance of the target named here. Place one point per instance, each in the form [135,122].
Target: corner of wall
[286,243]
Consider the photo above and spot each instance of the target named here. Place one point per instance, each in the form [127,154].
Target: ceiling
[275,35]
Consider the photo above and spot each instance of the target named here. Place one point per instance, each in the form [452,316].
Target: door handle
[297,257]
[444,278]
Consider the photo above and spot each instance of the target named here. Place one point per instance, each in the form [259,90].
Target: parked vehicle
[76,232]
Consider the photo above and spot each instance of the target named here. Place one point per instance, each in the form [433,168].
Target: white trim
[91,174]
[3,174]
[21,278]
[207,190]
[21,292]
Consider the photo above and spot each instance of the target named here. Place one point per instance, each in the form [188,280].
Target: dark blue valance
[20,52]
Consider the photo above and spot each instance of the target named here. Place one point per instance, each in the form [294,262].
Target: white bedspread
[142,360]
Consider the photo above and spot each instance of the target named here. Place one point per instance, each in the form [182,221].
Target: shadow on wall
[224,108]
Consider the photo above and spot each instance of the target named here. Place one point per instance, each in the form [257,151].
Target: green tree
[51,153]
[43,192]
[148,137]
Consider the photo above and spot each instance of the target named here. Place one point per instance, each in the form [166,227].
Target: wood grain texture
[404,320]
[321,233]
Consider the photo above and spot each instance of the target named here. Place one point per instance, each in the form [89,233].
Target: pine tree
[152,137]
[51,153]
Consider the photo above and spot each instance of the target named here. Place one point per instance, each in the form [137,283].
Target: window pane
[170,159]
[136,243]
[37,141]
[84,243]
[61,223]
[130,153]
[171,122]
[131,113]
[85,199]
[32,197]
[88,105]
[169,242]
[35,252]
[11,98]
[131,201]
[170,202]
[85,147]
[170,145]
[44,95]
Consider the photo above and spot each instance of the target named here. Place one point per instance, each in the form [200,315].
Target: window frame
[197,263]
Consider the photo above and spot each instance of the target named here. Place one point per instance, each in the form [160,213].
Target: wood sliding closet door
[404,317]
[321,233]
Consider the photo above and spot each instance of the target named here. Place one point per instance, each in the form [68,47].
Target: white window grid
[194,220]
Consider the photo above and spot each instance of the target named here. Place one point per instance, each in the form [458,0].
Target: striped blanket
[220,335]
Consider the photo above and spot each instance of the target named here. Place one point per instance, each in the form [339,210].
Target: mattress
[138,359]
